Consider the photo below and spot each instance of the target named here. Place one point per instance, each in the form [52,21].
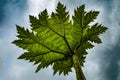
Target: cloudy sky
[102,62]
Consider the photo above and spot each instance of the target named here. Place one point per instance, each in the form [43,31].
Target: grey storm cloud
[5,5]
[102,62]
[110,67]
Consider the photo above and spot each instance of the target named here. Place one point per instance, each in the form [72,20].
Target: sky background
[102,62]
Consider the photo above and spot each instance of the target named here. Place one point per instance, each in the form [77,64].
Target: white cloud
[36,6]
[21,70]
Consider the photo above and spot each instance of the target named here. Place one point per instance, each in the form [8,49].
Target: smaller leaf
[95,39]
[78,15]
[40,22]
[63,66]
[97,29]
[89,17]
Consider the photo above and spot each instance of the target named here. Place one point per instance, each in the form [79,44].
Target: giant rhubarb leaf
[58,41]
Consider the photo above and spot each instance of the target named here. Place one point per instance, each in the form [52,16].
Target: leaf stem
[78,69]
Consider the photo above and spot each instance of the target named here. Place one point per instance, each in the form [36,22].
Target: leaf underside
[54,39]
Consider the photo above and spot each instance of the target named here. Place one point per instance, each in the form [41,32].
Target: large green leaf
[55,39]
